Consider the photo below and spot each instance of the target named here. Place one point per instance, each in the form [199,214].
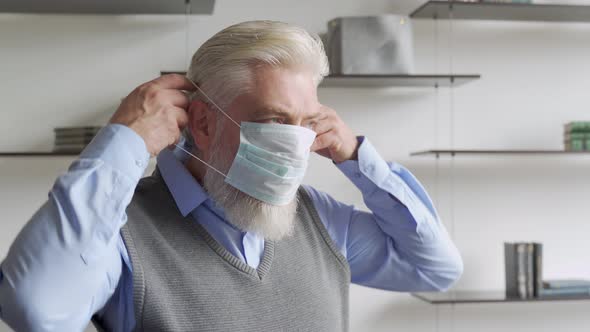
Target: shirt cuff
[121,148]
[370,171]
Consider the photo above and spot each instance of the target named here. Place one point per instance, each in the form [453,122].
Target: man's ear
[199,124]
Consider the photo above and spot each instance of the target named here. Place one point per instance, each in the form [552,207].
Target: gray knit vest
[183,280]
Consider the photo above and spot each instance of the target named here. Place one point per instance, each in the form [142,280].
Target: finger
[326,120]
[176,98]
[180,116]
[174,81]
[324,153]
[323,141]
[323,125]
[181,121]
[176,137]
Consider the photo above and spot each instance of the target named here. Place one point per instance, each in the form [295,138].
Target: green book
[577,127]
[576,145]
[583,136]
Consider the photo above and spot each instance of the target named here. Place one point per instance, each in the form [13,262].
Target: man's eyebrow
[269,110]
[266,110]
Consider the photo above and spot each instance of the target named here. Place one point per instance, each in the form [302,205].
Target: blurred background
[494,82]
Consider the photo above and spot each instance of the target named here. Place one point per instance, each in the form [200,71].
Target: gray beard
[243,211]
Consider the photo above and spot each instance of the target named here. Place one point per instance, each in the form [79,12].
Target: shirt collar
[186,191]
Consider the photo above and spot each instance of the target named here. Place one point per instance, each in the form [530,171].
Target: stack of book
[524,269]
[577,136]
[507,1]
[524,275]
[566,287]
[500,1]
[73,139]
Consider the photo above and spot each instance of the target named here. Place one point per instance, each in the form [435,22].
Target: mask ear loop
[219,108]
[214,104]
[201,160]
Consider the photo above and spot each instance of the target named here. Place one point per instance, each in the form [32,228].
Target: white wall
[72,70]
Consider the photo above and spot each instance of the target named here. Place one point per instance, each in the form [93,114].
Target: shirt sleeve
[399,245]
[65,263]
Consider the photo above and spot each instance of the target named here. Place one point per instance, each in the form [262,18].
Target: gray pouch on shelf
[370,45]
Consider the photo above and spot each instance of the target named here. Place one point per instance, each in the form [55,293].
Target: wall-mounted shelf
[356,81]
[502,11]
[464,297]
[109,7]
[183,73]
[421,80]
[38,154]
[506,152]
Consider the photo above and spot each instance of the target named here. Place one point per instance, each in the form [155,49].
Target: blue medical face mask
[271,160]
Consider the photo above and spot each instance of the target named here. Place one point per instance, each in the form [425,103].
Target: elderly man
[223,236]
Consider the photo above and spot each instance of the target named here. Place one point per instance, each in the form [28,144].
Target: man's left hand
[334,139]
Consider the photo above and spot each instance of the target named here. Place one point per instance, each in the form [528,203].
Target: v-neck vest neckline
[259,273]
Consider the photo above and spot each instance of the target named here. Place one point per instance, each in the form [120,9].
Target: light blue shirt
[69,262]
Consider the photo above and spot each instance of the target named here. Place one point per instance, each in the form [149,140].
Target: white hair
[223,65]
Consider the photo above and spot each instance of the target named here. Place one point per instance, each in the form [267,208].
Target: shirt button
[139,163]
[369,169]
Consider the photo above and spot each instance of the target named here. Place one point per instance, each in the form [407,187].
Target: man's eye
[310,125]
[274,120]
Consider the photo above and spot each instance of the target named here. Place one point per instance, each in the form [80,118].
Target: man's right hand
[156,111]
